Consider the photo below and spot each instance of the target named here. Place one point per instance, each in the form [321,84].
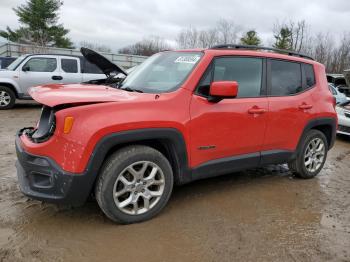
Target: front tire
[134,184]
[7,98]
[311,155]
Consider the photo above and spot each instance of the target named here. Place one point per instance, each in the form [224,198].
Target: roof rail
[254,47]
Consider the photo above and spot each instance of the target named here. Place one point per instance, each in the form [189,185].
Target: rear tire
[134,184]
[7,98]
[311,155]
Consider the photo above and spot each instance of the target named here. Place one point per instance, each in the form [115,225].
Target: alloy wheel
[5,98]
[138,188]
[314,154]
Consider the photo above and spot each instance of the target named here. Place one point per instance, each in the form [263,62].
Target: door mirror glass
[223,89]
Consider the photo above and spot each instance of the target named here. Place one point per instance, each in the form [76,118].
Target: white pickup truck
[39,69]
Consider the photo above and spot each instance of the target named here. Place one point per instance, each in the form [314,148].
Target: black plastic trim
[170,137]
[225,165]
[324,121]
[276,157]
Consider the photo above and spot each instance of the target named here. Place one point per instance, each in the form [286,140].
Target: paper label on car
[187,59]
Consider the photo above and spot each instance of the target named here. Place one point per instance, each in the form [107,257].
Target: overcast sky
[123,22]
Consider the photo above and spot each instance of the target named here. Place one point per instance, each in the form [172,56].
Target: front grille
[345,129]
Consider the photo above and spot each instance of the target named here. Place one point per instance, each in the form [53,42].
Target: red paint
[224,89]
[235,126]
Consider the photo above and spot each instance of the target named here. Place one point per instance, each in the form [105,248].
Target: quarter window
[285,78]
[41,64]
[69,65]
[246,71]
[309,75]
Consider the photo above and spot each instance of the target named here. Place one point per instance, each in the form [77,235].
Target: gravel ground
[263,214]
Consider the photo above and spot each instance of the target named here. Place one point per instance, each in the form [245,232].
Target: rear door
[70,70]
[39,70]
[232,127]
[290,103]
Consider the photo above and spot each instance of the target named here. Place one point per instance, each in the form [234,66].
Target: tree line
[333,52]
[39,26]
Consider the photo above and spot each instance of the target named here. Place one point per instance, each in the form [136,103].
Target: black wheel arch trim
[169,137]
[319,122]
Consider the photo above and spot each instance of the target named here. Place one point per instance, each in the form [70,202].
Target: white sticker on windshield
[187,59]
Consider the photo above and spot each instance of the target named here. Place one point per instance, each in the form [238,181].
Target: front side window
[69,65]
[162,72]
[41,64]
[246,71]
[285,78]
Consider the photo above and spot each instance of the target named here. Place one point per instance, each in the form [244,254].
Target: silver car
[343,111]
[39,69]
[339,97]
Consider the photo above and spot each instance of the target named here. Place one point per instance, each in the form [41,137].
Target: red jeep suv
[178,117]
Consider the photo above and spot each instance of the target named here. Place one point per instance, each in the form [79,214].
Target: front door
[39,70]
[232,127]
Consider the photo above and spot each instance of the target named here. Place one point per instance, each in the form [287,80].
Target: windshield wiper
[131,89]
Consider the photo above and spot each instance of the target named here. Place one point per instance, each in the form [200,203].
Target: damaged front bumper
[42,179]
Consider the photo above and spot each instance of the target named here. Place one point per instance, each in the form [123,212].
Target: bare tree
[146,47]
[188,38]
[227,31]
[96,47]
[299,31]
[224,32]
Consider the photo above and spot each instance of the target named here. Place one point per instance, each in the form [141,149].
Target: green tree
[283,39]
[39,24]
[251,38]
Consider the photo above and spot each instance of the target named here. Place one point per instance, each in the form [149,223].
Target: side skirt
[228,165]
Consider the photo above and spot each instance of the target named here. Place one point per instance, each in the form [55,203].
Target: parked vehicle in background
[343,111]
[179,117]
[6,61]
[336,79]
[32,70]
[347,76]
[339,97]
[339,81]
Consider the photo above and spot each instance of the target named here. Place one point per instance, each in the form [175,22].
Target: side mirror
[222,89]
[25,68]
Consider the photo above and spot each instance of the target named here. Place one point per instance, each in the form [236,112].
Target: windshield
[15,63]
[162,72]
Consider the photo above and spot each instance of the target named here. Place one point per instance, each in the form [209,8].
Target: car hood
[102,62]
[60,94]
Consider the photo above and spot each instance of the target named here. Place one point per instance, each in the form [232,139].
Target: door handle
[57,77]
[305,106]
[257,110]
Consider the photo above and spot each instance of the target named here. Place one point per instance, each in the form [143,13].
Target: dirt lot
[262,214]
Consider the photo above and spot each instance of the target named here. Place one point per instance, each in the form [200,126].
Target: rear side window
[69,65]
[41,64]
[309,75]
[285,78]
[246,71]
